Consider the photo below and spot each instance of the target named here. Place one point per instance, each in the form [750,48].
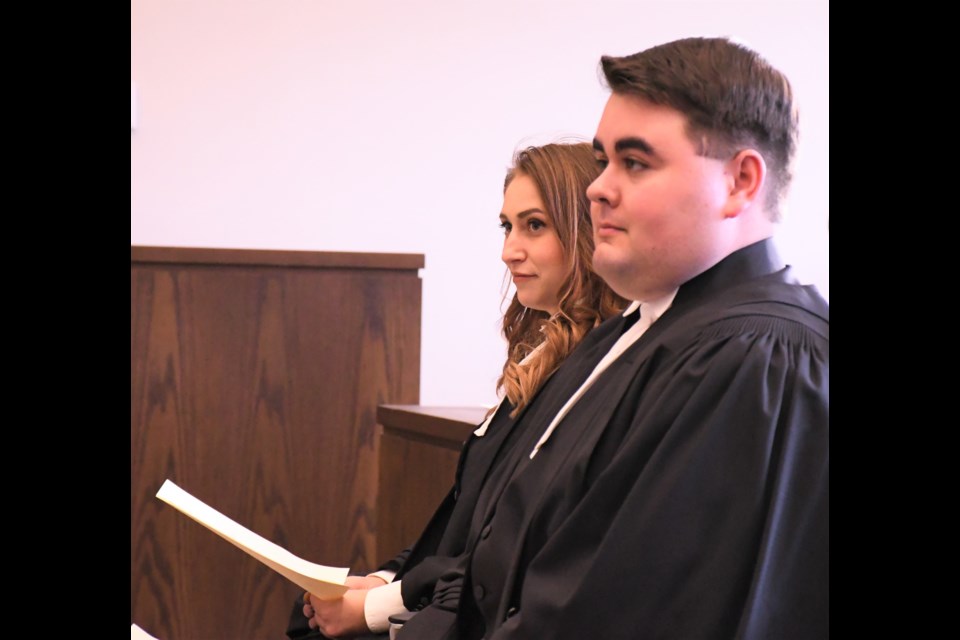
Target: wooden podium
[255,382]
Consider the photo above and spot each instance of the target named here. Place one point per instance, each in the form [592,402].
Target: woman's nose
[513,250]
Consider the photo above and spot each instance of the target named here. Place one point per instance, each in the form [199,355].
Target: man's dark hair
[733,99]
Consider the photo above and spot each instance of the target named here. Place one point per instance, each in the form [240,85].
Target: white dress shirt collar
[649,313]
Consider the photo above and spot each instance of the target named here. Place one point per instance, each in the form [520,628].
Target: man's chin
[606,262]
[614,275]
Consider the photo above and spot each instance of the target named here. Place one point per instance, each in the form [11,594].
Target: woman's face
[531,246]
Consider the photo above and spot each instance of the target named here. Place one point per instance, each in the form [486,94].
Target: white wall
[376,125]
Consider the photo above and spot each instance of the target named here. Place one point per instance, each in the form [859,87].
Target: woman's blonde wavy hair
[561,172]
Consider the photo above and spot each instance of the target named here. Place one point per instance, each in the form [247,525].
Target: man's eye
[602,163]
[632,164]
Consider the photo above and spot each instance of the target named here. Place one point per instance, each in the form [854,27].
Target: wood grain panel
[422,474]
[254,387]
[419,450]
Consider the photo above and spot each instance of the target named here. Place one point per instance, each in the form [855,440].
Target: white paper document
[323,582]
[136,633]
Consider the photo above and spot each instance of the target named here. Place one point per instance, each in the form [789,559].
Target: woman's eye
[506,226]
[536,225]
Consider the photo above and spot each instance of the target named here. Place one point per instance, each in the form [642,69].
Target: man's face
[657,206]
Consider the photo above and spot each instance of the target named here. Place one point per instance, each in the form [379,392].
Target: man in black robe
[681,490]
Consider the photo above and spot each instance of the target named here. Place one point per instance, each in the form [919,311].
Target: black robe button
[479,592]
[512,612]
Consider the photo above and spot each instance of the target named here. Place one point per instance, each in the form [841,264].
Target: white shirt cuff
[381,603]
[386,576]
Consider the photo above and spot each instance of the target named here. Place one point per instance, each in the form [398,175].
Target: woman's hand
[364,582]
[343,617]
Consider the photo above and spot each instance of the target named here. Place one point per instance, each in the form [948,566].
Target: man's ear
[746,174]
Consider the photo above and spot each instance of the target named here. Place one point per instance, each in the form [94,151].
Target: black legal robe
[686,494]
[433,572]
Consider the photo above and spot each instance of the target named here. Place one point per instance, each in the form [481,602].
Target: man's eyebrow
[627,143]
[634,143]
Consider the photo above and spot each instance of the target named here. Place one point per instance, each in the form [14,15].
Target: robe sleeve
[396,563]
[703,511]
[436,600]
